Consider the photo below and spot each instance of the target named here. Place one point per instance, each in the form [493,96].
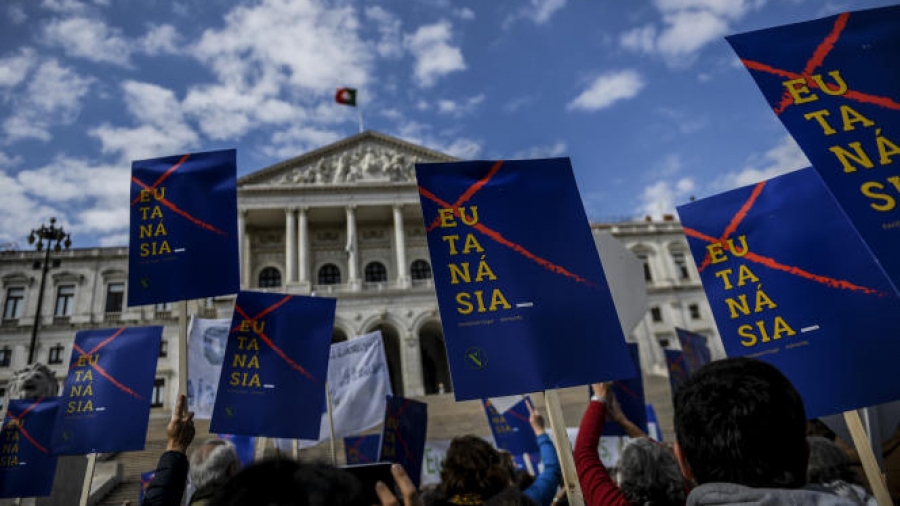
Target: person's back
[212,465]
[741,436]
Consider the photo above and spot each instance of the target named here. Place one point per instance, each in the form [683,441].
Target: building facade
[342,221]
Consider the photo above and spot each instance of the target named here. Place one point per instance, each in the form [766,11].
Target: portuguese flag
[346,96]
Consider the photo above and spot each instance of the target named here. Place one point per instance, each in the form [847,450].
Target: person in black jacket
[170,477]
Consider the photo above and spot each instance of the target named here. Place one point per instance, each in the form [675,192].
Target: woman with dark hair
[829,467]
[473,471]
[648,472]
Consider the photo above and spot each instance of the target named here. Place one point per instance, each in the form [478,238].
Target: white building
[341,221]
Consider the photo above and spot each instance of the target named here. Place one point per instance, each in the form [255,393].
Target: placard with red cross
[183,240]
[108,389]
[790,282]
[524,303]
[27,466]
[276,364]
[833,82]
[404,434]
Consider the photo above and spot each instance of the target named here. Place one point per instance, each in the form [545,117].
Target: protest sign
[630,394]
[106,396]
[790,282]
[359,383]
[696,352]
[183,241]
[276,360]
[678,371]
[27,466]
[433,461]
[518,277]
[244,445]
[362,449]
[206,352]
[146,478]
[511,429]
[833,83]
[404,433]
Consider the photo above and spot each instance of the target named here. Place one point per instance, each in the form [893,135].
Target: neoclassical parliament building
[341,221]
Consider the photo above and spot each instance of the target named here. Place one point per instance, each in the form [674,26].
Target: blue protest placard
[791,282]
[146,478]
[833,83]
[524,302]
[404,433]
[244,445]
[653,428]
[362,449]
[106,396]
[696,351]
[274,372]
[27,466]
[630,394]
[183,240]
[678,372]
[511,429]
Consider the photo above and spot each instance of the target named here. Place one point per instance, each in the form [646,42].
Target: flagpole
[182,347]
[330,424]
[359,113]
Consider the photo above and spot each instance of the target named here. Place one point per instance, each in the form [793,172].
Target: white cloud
[17,14]
[547,151]
[63,6]
[225,112]
[464,13]
[19,212]
[89,38]
[448,143]
[435,57]
[686,27]
[298,140]
[52,98]
[460,108]
[301,45]
[538,11]
[462,147]
[784,157]
[608,89]
[161,39]
[7,161]
[661,197]
[517,103]
[390,43]
[13,69]
[161,130]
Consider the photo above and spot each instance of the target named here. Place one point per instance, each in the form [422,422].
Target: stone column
[290,246]
[350,248]
[400,247]
[244,248]
[413,375]
[303,246]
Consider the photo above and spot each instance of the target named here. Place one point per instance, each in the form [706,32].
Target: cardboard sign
[27,466]
[275,366]
[833,83]
[790,282]
[404,434]
[106,396]
[183,240]
[518,277]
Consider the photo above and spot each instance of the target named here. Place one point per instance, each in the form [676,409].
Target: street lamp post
[62,239]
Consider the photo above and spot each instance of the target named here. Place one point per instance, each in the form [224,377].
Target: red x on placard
[496,236]
[167,203]
[766,261]
[815,61]
[21,425]
[96,366]
[396,428]
[266,339]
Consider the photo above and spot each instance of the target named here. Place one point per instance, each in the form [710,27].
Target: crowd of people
[741,438]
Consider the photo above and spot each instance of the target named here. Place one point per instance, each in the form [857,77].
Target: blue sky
[645,96]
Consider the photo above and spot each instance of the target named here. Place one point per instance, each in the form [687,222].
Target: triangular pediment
[369,157]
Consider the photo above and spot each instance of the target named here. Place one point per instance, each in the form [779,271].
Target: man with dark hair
[741,431]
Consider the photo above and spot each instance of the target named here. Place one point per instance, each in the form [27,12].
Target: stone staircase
[446,419]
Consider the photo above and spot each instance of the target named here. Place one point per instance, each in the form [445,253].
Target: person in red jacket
[648,471]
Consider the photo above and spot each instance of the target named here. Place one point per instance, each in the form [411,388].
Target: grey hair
[649,474]
[828,462]
[213,463]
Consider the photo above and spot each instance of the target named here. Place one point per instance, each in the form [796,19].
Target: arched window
[376,272]
[338,336]
[329,274]
[269,277]
[420,269]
